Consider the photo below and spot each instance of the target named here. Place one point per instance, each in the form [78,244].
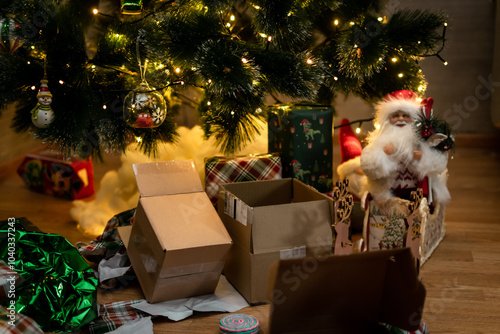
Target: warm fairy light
[258,110]
[309,61]
[263,35]
[61,82]
[228,25]
[32,47]
[380,18]
[232,112]
[193,68]
[394,59]
[445,63]
[269,38]
[232,18]
[445,24]
[380,59]
[400,75]
[377,126]
[177,70]
[182,82]
[209,103]
[95,11]
[244,60]
[138,139]
[104,107]
[420,88]
[335,78]
[29,63]
[358,130]
[352,23]
[355,46]
[209,81]
[336,22]
[33,87]
[256,7]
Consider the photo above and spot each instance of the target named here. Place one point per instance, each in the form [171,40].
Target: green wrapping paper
[302,135]
[59,290]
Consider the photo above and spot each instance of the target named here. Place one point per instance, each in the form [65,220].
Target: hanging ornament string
[142,69]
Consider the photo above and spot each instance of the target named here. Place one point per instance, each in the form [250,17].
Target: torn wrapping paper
[225,299]
[113,267]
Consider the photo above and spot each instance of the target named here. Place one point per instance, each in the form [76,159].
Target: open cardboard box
[346,293]
[268,221]
[178,243]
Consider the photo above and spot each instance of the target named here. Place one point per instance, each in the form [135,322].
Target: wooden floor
[462,277]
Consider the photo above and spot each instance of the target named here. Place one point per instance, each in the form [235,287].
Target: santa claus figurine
[396,159]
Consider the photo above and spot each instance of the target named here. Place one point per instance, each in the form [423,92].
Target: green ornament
[9,42]
[131,7]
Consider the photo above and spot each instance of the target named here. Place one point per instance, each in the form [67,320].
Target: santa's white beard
[403,139]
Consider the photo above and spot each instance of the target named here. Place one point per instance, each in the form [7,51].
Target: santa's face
[400,118]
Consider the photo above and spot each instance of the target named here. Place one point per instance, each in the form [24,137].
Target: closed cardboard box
[269,221]
[178,243]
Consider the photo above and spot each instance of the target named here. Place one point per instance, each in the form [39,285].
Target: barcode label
[293,253]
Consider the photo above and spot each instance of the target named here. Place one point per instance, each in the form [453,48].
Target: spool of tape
[239,323]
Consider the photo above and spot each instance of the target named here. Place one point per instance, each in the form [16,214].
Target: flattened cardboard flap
[346,293]
[167,178]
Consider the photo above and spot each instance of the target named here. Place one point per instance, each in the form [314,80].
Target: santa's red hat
[401,100]
[350,147]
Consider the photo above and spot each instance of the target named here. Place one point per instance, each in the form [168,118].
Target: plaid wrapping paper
[220,170]
[21,323]
[109,243]
[114,315]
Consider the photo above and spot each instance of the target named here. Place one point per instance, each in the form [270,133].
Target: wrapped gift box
[302,135]
[48,173]
[220,170]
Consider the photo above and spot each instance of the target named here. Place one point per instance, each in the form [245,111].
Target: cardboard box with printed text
[268,221]
[178,243]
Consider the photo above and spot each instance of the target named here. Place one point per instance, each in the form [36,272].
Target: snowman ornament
[42,115]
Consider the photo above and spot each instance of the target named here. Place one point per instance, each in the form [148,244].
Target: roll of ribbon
[239,323]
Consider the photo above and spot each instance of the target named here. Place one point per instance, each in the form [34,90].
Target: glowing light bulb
[336,22]
[380,19]
[29,62]
[258,110]
[95,11]
[309,61]
[61,82]
[138,139]
[358,130]
[209,103]
[228,24]
[33,87]
[269,38]
[209,81]
[244,60]
[445,63]
[377,126]
[352,23]
[177,70]
[394,59]
[232,112]
[232,18]
[446,24]
[104,107]
[263,35]
[400,75]
[335,78]
[32,47]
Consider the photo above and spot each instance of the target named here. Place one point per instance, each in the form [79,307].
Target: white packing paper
[224,299]
[112,267]
[138,326]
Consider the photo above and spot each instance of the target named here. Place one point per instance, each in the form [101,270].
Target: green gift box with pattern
[302,134]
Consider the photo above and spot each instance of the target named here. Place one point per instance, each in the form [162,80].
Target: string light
[394,59]
[400,75]
[33,87]
[380,18]
[377,126]
[138,139]
[336,22]
[29,63]
[309,61]
[177,70]
[244,60]
[358,130]
[269,38]
[352,23]
[335,78]
[32,47]
[95,11]
[209,81]
[209,103]
[232,18]
[61,82]
[104,107]
[263,35]
[228,25]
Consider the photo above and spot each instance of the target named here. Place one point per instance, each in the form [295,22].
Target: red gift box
[50,174]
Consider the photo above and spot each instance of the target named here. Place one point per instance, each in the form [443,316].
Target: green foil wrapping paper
[60,289]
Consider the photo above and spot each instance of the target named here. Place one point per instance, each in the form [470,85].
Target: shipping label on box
[178,243]
[269,221]
[50,174]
